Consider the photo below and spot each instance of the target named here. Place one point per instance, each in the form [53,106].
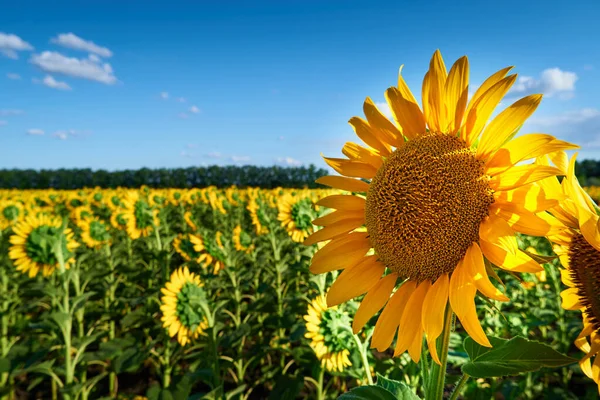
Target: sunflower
[257,213]
[95,233]
[211,251]
[578,247]
[140,216]
[32,245]
[185,248]
[296,214]
[80,213]
[118,219]
[241,240]
[439,193]
[182,306]
[328,330]
[11,212]
[188,217]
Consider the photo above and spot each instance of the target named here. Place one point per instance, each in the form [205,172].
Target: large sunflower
[210,250]
[94,232]
[439,192]
[182,309]
[141,218]
[32,245]
[578,247]
[330,339]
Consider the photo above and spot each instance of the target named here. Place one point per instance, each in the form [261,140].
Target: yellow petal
[519,262]
[351,168]
[342,202]
[526,222]
[497,231]
[522,175]
[374,300]
[384,129]
[475,270]
[484,106]
[344,183]
[457,92]
[355,152]
[531,197]
[388,321]
[368,135]
[338,216]
[506,124]
[432,317]
[348,255]
[410,322]
[355,281]
[462,299]
[407,113]
[570,299]
[433,94]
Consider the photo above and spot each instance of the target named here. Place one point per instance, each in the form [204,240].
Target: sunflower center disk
[584,262]
[425,205]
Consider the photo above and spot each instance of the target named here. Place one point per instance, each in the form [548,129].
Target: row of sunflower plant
[207,292]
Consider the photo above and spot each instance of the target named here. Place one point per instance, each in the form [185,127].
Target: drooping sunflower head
[141,217]
[242,240]
[330,335]
[185,248]
[257,214]
[296,214]
[95,233]
[189,220]
[440,195]
[184,306]
[211,251]
[34,243]
[11,212]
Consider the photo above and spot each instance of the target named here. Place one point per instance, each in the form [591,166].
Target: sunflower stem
[4,337]
[362,348]
[459,386]
[437,376]
[425,369]
[320,392]
[112,378]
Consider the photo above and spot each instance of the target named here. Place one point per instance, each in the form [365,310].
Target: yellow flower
[211,254]
[328,330]
[11,212]
[32,245]
[296,214]
[439,192]
[185,248]
[187,216]
[140,217]
[181,306]
[95,233]
[241,240]
[578,246]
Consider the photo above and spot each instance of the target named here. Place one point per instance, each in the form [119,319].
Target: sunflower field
[207,293]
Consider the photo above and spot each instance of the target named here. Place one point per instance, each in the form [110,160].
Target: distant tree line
[588,172]
[241,176]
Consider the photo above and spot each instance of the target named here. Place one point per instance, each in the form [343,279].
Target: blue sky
[114,85]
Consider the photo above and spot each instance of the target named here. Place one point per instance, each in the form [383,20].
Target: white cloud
[281,137]
[72,41]
[53,83]
[10,111]
[51,61]
[187,154]
[13,76]
[552,81]
[385,109]
[289,161]
[10,44]
[2,123]
[214,154]
[35,131]
[194,109]
[588,67]
[183,115]
[164,95]
[62,135]
[191,146]
[240,158]
[181,99]
[94,58]
[567,117]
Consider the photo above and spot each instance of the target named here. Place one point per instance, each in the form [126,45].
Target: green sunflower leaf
[397,388]
[510,357]
[375,392]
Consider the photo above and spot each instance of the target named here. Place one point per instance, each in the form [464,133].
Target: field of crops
[90,278]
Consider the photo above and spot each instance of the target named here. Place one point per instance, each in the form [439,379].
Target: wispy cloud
[240,158]
[567,117]
[72,41]
[288,161]
[214,154]
[11,44]
[588,67]
[69,133]
[164,95]
[85,68]
[187,154]
[183,115]
[52,83]
[384,108]
[194,109]
[2,123]
[192,146]
[13,76]
[11,111]
[35,131]
[181,99]
[552,81]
